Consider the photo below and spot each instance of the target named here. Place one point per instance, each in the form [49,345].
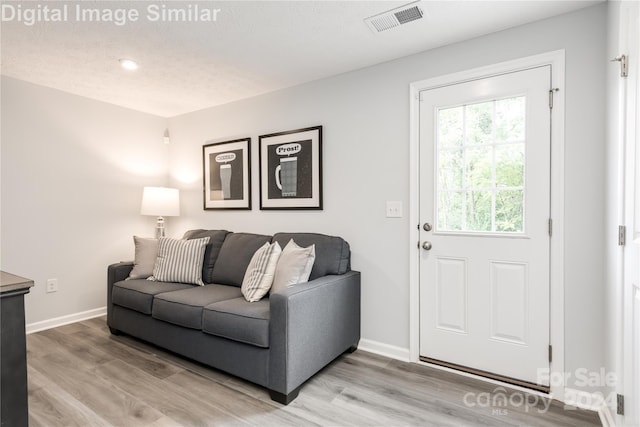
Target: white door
[484,225]
[631,284]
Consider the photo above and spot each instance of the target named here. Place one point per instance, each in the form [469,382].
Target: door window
[480,163]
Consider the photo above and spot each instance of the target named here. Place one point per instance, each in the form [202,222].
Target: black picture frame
[226,174]
[291,169]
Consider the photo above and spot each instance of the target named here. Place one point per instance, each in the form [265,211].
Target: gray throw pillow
[146,252]
[294,266]
[332,253]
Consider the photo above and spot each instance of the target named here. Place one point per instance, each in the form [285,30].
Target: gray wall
[72,176]
[365,115]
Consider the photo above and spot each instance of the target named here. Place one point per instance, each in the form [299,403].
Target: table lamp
[160,202]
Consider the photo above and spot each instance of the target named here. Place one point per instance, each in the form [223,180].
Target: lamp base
[160,228]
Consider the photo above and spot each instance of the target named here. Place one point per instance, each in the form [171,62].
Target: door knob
[426,246]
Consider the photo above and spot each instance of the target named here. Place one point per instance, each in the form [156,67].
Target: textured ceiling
[253,47]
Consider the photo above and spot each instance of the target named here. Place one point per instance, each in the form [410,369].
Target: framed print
[227,174]
[291,169]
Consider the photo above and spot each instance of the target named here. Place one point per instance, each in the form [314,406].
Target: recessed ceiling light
[128,64]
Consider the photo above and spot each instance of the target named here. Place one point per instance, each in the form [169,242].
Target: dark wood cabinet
[14,409]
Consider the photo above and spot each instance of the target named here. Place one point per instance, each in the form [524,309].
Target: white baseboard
[606,418]
[65,320]
[590,401]
[583,399]
[386,350]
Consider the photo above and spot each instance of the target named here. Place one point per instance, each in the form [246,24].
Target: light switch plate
[394,209]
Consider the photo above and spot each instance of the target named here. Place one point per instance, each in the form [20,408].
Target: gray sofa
[278,342]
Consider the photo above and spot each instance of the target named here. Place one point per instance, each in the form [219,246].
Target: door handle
[426,246]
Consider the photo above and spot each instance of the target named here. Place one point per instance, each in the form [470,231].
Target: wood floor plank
[51,406]
[71,328]
[165,422]
[370,359]
[39,344]
[413,386]
[73,344]
[316,405]
[414,411]
[172,402]
[533,403]
[97,323]
[322,388]
[150,363]
[73,375]
[434,396]
[238,404]
[351,373]
[80,374]
[172,359]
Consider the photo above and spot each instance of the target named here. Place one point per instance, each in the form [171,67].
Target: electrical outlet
[52,285]
[394,209]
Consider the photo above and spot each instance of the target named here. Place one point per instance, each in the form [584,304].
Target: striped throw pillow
[259,275]
[180,260]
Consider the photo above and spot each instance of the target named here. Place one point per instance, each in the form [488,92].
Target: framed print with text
[291,169]
[227,174]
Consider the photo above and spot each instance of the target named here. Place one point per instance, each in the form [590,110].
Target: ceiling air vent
[395,17]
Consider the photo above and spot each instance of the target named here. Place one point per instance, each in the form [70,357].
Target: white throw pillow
[294,266]
[145,256]
[180,260]
[259,275]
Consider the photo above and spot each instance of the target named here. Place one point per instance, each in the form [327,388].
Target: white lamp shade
[160,201]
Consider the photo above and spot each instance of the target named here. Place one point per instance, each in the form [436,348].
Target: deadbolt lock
[426,226]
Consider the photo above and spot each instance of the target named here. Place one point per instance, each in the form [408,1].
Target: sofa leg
[114,331]
[282,398]
[352,348]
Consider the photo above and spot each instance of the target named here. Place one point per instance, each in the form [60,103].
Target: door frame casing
[629,92]
[556,292]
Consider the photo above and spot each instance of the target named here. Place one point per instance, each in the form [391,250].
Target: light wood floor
[80,375]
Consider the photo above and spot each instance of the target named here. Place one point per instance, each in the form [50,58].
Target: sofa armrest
[116,273]
[311,324]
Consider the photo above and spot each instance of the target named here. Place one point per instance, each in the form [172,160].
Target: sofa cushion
[332,253]
[235,255]
[184,307]
[137,294]
[180,260]
[238,320]
[216,238]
